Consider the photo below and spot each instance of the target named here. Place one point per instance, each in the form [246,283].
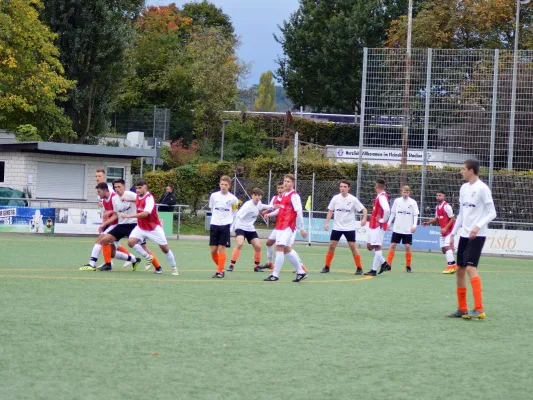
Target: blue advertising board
[27,219]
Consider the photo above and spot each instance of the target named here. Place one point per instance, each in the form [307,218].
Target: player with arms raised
[476,211]
[404,213]
[446,219]
[378,226]
[343,208]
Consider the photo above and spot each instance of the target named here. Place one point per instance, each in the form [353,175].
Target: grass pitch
[66,334]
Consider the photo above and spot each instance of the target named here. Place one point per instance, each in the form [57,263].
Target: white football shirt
[476,208]
[344,210]
[405,213]
[247,215]
[125,207]
[222,207]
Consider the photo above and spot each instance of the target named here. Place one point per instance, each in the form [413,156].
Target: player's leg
[270,250]
[408,256]
[462,306]
[256,244]
[296,262]
[155,261]
[283,238]
[91,265]
[333,242]
[392,249]
[135,239]
[158,237]
[448,253]
[350,237]
[473,254]
[239,242]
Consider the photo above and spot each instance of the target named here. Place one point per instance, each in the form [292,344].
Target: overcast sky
[255,21]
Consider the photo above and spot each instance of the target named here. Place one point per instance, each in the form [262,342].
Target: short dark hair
[381,182]
[280,183]
[141,182]
[442,192]
[258,192]
[346,182]
[102,185]
[473,165]
[121,181]
[171,187]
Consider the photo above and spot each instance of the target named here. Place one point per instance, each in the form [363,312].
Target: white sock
[121,256]
[449,257]
[171,259]
[138,248]
[97,249]
[375,263]
[270,253]
[278,263]
[379,255]
[295,261]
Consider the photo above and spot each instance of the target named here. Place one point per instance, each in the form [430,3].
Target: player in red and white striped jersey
[272,238]
[446,219]
[149,227]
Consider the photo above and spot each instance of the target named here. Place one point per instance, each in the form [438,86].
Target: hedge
[512,191]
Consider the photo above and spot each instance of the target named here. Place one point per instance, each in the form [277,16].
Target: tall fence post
[494,115]
[309,233]
[362,122]
[267,221]
[295,160]
[426,134]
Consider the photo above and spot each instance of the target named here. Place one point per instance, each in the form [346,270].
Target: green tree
[31,75]
[323,45]
[464,25]
[206,15]
[266,93]
[93,37]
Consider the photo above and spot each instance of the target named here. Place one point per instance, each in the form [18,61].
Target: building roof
[77,149]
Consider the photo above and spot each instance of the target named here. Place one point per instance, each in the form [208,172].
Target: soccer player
[343,208]
[404,213]
[107,199]
[289,217]
[149,227]
[446,219]
[223,206]
[476,211]
[378,226]
[272,238]
[244,228]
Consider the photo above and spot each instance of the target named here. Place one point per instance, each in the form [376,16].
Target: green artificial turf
[66,334]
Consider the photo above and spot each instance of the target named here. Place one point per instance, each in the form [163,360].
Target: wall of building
[21,172]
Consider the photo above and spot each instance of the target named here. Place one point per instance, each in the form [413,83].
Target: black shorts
[336,235]
[122,231]
[219,235]
[247,234]
[401,238]
[469,251]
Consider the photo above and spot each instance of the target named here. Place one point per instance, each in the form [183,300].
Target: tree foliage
[323,45]
[31,74]
[266,93]
[206,15]
[93,37]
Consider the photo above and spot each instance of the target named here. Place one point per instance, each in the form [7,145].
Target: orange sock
[257,257]
[215,258]
[155,261]
[357,260]
[461,299]
[122,249]
[329,258]
[390,257]
[477,292]
[221,262]
[235,255]
[106,250]
[408,258]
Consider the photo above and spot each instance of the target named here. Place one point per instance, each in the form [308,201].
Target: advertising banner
[509,243]
[77,221]
[27,219]
[166,219]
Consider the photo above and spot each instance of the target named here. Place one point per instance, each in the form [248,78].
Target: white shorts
[285,237]
[272,235]
[157,235]
[375,237]
[445,241]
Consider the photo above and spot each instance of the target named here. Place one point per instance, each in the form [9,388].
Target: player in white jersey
[404,213]
[272,238]
[344,207]
[224,207]
[244,228]
[476,211]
